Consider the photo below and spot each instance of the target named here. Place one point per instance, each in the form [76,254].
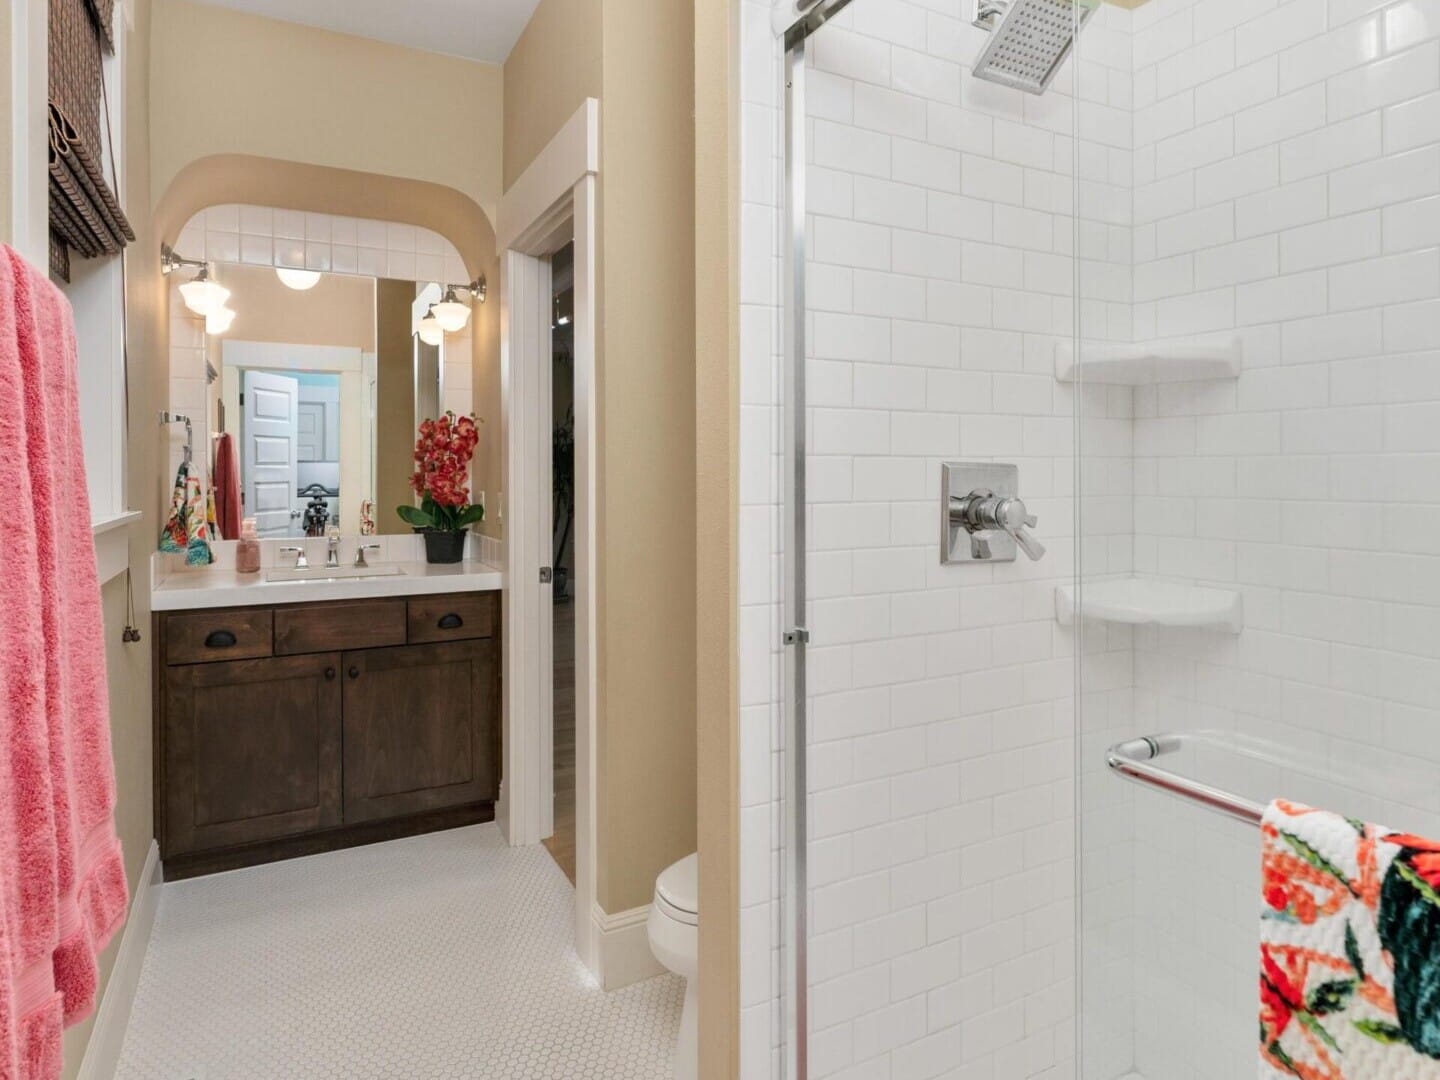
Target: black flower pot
[444,546]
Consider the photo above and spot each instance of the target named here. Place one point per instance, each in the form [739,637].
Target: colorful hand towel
[1349,950]
[72,895]
[186,531]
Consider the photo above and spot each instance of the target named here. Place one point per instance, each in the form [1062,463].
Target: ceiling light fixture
[299,280]
[430,330]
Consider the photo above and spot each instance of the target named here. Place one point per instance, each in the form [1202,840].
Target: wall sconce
[202,295]
[218,322]
[430,330]
[450,312]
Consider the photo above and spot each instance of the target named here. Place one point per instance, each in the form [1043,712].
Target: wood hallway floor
[562,845]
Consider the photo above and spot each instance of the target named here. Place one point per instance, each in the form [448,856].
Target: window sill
[112,543]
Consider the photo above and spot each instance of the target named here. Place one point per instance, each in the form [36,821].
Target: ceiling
[483,30]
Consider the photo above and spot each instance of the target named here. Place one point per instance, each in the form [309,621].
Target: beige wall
[647,463]
[552,69]
[340,310]
[228,83]
[129,665]
[7,143]
[395,413]
[645,363]
[717,415]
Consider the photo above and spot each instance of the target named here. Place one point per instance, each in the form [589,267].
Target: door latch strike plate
[547,575]
[798,636]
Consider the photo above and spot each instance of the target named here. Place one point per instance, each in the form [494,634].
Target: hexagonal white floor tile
[447,957]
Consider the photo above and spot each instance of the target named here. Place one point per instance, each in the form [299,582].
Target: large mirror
[318,388]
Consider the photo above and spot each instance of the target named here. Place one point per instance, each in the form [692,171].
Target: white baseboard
[624,947]
[107,1037]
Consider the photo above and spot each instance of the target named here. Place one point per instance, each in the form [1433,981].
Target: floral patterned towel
[186,531]
[1349,950]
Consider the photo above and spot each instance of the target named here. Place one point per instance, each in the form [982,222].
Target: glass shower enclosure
[1095,447]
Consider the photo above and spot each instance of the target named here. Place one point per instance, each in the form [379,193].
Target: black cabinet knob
[329,674]
[451,622]
[354,673]
[220,639]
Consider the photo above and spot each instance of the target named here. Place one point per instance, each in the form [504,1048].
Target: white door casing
[552,202]
[269,458]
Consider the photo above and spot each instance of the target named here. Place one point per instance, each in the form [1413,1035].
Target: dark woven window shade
[85,215]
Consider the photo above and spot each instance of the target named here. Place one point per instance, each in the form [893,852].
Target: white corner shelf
[1144,602]
[1147,364]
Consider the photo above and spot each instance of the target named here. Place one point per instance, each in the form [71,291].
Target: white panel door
[311,431]
[269,459]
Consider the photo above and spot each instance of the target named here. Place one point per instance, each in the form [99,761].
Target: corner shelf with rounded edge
[1138,601]
[1146,364]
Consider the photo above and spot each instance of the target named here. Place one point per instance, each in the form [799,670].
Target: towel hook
[180,418]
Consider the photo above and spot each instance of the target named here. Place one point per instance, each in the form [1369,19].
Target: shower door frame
[794,985]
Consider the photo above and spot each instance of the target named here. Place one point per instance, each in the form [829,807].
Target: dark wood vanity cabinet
[341,723]
[411,739]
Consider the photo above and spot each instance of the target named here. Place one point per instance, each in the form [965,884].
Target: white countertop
[214,587]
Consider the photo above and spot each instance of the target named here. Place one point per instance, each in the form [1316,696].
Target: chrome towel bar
[1131,760]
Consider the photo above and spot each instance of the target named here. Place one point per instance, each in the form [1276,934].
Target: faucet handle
[1012,516]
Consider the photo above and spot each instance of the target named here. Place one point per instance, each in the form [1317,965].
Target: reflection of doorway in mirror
[330,425]
[318,428]
[269,450]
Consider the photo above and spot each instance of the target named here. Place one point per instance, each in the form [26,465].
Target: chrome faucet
[360,550]
[984,518]
[301,563]
[332,547]
[983,512]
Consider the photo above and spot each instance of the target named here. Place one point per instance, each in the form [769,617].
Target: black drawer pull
[329,674]
[451,622]
[354,672]
[221,639]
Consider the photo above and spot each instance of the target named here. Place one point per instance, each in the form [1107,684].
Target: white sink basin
[333,573]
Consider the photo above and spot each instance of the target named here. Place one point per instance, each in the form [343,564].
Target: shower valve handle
[983,511]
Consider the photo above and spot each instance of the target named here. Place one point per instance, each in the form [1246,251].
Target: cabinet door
[421,728]
[252,751]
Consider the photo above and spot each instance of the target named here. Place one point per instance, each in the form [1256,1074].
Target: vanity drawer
[454,618]
[363,624]
[206,637]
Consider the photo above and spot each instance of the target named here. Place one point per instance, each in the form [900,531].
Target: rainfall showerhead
[1029,41]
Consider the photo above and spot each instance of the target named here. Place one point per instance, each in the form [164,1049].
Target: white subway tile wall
[1267,169]
[1310,137]
[941,274]
[261,236]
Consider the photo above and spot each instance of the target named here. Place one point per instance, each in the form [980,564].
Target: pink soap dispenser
[247,551]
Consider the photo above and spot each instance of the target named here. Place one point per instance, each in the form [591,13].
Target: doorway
[561,842]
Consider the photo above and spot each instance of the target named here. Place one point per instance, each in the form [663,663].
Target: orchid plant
[442,475]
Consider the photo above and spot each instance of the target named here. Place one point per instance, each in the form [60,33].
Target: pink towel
[227,489]
[57,783]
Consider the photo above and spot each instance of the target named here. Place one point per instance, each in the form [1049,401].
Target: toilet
[675,940]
